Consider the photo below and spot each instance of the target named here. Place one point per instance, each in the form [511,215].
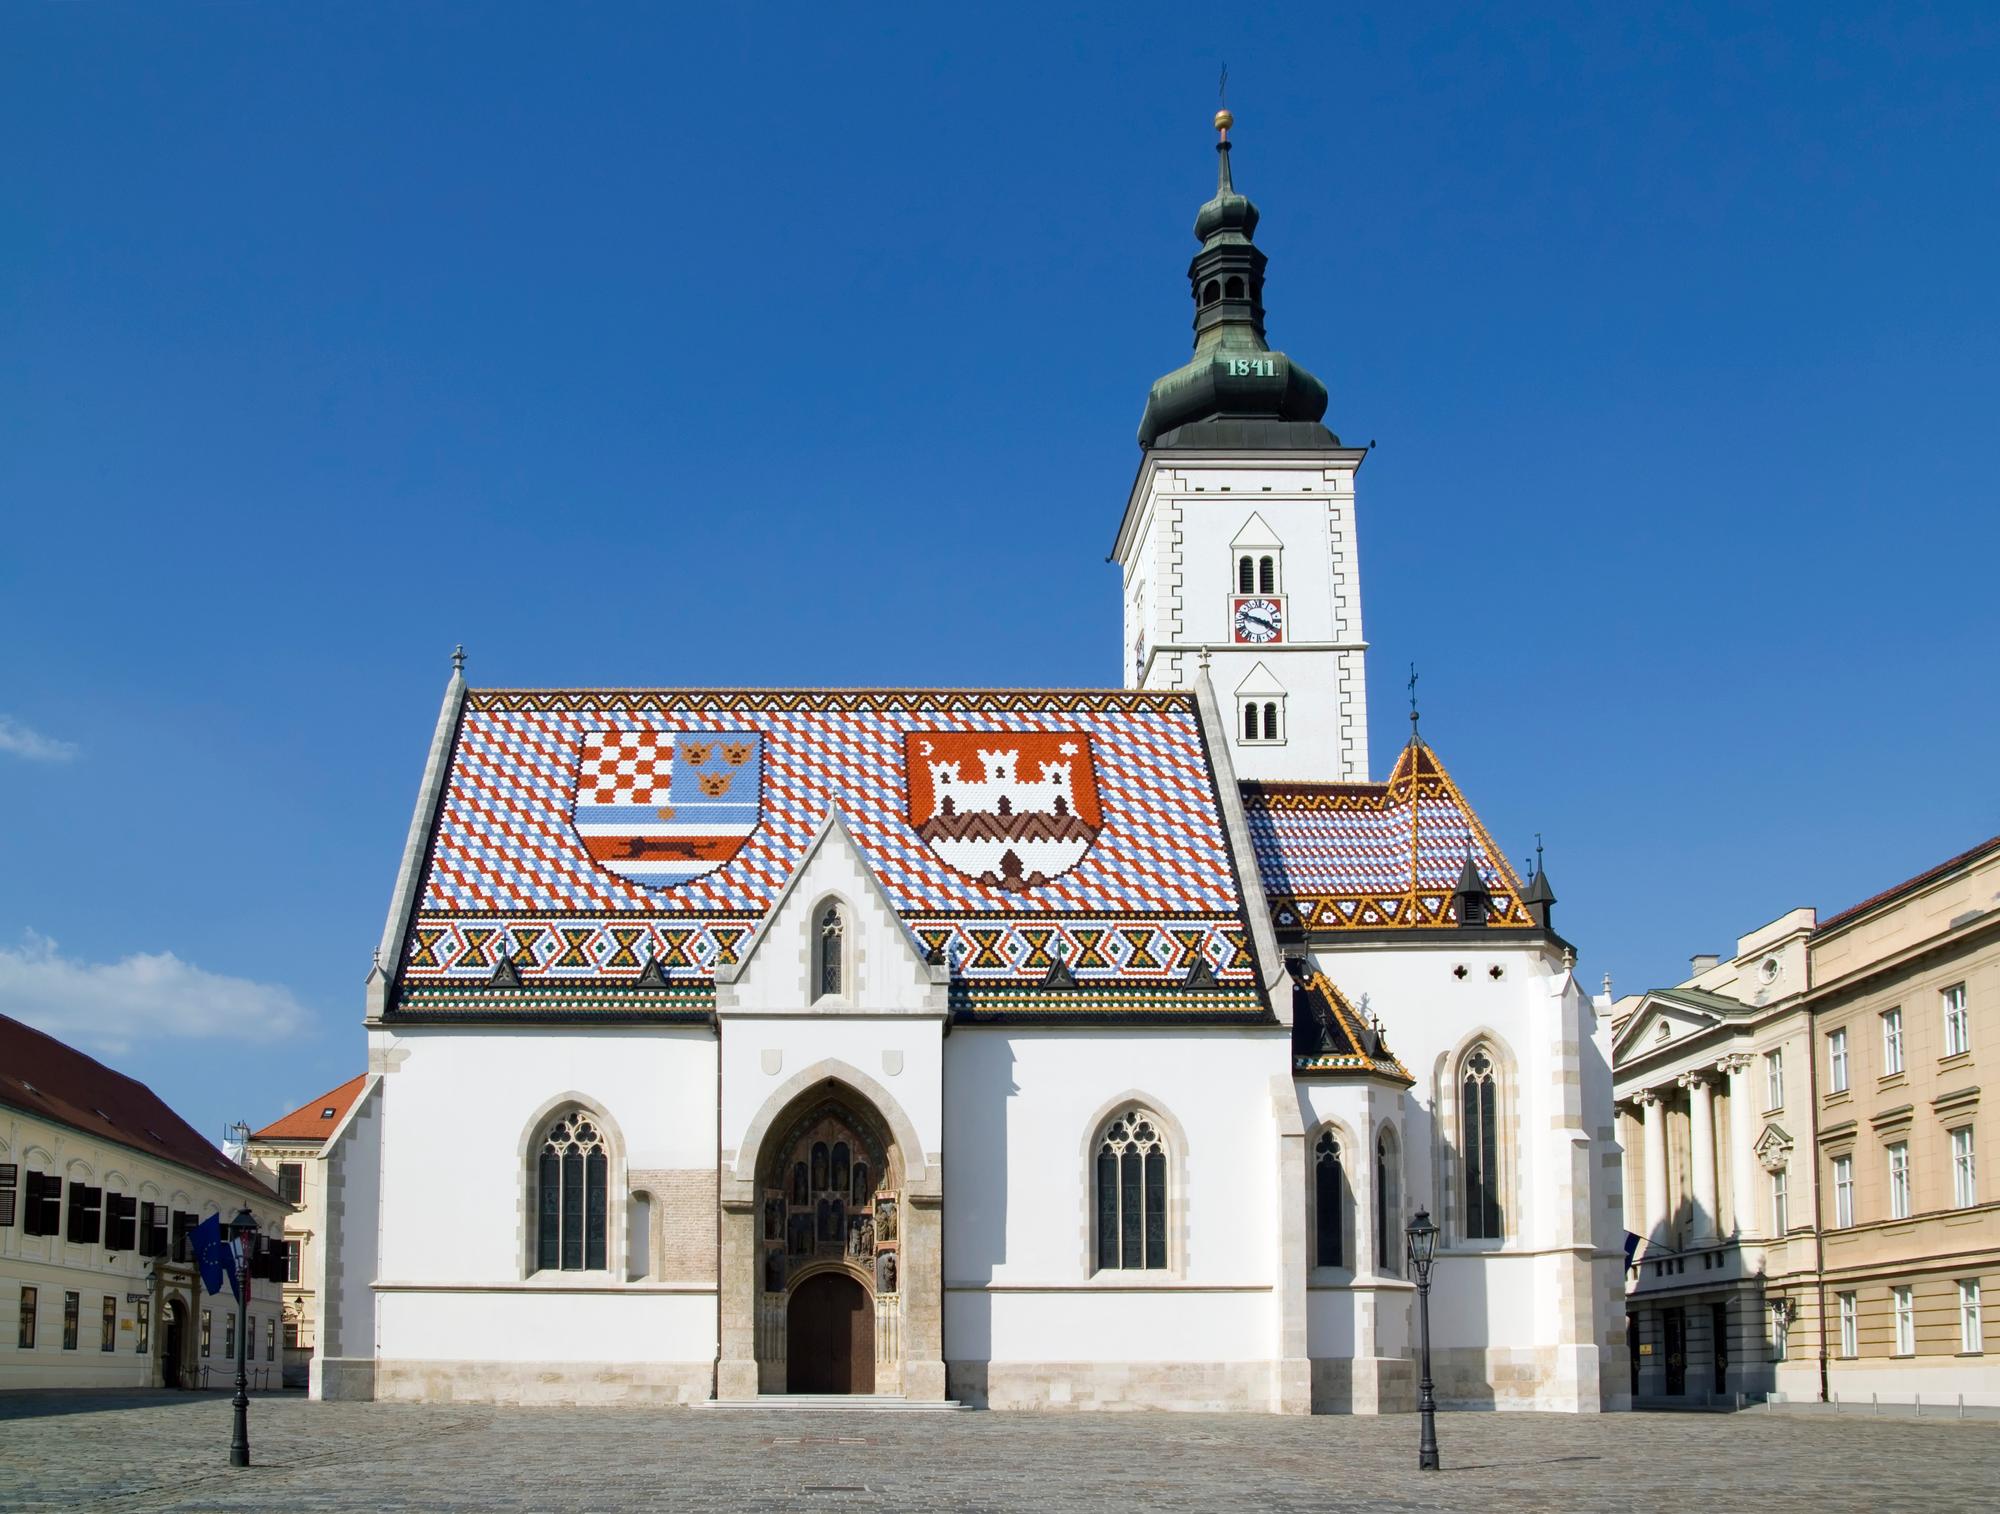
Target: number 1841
[1243,367]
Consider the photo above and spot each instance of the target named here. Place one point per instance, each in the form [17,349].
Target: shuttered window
[86,1213]
[10,1177]
[121,1223]
[42,1212]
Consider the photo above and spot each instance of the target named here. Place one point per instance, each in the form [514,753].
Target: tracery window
[1132,1193]
[1479,1138]
[572,1180]
[1329,1202]
[828,941]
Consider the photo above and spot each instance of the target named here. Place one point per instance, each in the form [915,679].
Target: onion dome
[1236,392]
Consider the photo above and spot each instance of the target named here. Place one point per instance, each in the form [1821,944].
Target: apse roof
[613,848]
[1375,856]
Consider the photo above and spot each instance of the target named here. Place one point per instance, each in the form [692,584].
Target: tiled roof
[1374,856]
[585,834]
[1329,1035]
[1907,886]
[41,1076]
[314,1120]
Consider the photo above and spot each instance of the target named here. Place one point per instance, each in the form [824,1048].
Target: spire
[1538,898]
[1236,391]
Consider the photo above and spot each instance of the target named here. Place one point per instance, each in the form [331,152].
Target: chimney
[1702,962]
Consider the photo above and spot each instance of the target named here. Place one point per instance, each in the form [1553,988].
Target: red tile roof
[314,1120]
[39,1075]
[1908,885]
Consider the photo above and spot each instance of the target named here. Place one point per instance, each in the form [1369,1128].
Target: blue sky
[775,345]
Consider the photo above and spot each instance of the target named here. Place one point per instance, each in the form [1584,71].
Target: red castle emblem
[1008,808]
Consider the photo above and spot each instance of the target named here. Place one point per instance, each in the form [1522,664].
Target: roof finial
[1201,662]
[458,658]
[1413,701]
[1538,853]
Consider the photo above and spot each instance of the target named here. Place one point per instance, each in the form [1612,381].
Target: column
[1655,1109]
[1701,1155]
[1742,1137]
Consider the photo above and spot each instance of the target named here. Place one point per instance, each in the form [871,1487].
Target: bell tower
[1238,541]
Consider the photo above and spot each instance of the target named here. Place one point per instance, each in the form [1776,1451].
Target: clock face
[1258,620]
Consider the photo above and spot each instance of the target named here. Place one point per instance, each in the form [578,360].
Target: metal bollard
[1920,1406]
[1961,1406]
[1875,1404]
[1836,1403]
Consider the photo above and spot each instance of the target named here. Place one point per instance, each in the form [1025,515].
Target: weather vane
[1413,699]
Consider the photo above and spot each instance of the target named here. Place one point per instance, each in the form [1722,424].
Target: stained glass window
[572,1173]
[1132,1194]
[1480,1137]
[1329,1202]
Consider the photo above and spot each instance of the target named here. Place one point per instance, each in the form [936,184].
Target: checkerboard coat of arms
[1008,808]
[661,807]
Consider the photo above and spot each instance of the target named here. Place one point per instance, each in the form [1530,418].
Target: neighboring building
[287,1153]
[100,1183]
[1031,1048]
[1803,1148]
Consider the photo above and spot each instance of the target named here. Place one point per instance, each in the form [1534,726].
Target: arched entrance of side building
[173,1343]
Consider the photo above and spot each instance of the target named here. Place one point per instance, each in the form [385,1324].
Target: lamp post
[245,1226]
[1423,1239]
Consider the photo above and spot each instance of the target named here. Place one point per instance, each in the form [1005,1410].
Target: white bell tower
[1238,540]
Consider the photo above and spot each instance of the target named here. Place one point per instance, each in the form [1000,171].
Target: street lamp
[245,1226]
[1423,1238]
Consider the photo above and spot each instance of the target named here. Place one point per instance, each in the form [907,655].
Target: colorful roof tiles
[1374,856]
[586,837]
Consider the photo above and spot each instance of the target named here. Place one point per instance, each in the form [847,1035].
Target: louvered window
[10,1177]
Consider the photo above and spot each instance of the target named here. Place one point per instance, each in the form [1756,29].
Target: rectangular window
[10,1177]
[1899,1181]
[1906,1320]
[1774,1079]
[1964,1189]
[26,1339]
[121,1222]
[1779,1209]
[291,1261]
[1843,1194]
[207,1329]
[1850,1326]
[1957,1021]
[1892,1041]
[271,1339]
[107,1336]
[291,1334]
[43,1204]
[72,1307]
[292,1182]
[86,1214]
[144,1328]
[1971,1337]
[1836,1061]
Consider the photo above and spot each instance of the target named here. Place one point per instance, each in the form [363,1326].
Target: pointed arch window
[829,953]
[1479,1134]
[1329,1202]
[1388,1204]
[572,1175]
[1131,1181]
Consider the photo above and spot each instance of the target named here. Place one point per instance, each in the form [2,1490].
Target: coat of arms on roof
[1008,808]
[661,807]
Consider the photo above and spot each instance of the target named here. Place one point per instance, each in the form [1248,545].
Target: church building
[1010,1047]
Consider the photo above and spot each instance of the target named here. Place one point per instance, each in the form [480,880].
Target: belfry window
[1329,1202]
[1131,1184]
[572,1180]
[1479,1136]
[1234,288]
[1267,575]
[1246,575]
[829,940]
[1211,292]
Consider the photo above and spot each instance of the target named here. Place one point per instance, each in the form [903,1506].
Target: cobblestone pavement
[165,1451]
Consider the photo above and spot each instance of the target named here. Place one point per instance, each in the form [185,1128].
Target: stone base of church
[1193,1386]
[335,1379]
[1552,1379]
[1364,1385]
[535,1383]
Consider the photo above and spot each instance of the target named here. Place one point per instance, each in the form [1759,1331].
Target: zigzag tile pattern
[1374,856]
[507,876]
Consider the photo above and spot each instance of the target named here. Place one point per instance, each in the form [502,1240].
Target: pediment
[884,966]
[1660,1022]
[1773,1149]
[1255,533]
[1258,683]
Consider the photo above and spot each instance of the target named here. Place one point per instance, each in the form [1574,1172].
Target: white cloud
[148,996]
[23,741]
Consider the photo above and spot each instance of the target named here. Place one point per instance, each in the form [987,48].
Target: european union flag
[217,1257]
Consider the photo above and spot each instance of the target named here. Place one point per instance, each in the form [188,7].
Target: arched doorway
[830,1336]
[829,1222]
[173,1344]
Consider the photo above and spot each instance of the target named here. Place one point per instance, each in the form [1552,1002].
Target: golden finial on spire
[1223,121]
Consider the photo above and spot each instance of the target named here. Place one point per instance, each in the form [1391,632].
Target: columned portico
[1703,1228]
[1654,1105]
[1742,1135]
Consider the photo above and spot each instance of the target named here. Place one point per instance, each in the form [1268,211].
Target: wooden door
[1676,1333]
[170,1361]
[830,1336]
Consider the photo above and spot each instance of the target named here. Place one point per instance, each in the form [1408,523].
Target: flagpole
[239,1443]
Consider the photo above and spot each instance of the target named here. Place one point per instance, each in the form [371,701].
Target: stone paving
[133,1451]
